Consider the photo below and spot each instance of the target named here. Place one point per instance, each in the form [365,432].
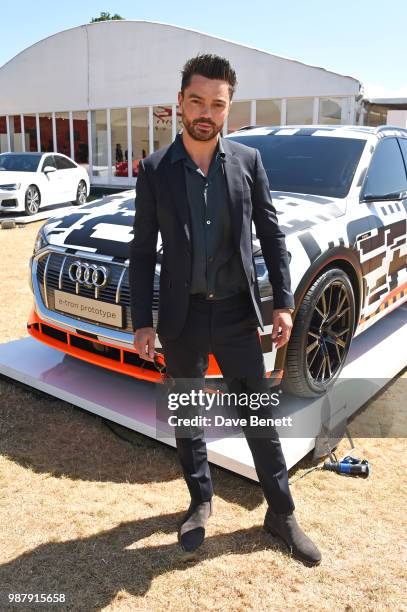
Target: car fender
[327,259]
[336,254]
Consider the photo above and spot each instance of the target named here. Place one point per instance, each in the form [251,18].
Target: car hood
[297,211]
[8,176]
[106,227]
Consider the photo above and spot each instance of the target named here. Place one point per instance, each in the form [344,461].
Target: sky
[360,38]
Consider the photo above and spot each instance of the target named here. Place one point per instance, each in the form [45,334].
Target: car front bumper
[106,347]
[11,201]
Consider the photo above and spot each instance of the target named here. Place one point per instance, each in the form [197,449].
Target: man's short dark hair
[210,66]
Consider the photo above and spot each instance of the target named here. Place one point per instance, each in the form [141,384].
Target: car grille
[52,273]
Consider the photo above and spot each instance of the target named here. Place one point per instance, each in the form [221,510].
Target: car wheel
[32,200]
[81,194]
[321,335]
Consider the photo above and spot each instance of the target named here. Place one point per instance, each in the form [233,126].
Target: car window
[403,146]
[49,161]
[63,163]
[308,164]
[386,173]
[23,162]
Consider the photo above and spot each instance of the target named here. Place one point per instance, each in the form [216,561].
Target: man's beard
[196,134]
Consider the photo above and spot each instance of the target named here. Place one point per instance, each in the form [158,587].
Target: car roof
[27,153]
[37,153]
[360,131]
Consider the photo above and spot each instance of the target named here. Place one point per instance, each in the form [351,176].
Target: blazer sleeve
[271,237]
[143,253]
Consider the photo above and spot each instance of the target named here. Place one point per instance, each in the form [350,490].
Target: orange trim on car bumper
[37,328]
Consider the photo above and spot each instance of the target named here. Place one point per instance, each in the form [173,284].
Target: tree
[106,17]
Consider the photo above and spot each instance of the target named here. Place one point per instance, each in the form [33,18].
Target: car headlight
[40,241]
[262,277]
[10,186]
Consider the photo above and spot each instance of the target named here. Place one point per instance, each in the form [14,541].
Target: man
[202,192]
[119,153]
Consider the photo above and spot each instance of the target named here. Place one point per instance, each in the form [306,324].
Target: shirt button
[208,221]
[210,258]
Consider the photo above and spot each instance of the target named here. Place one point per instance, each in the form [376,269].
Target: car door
[384,193]
[49,183]
[69,178]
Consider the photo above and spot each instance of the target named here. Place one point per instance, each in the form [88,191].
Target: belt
[204,296]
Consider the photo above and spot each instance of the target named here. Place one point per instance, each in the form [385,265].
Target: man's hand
[282,320]
[144,342]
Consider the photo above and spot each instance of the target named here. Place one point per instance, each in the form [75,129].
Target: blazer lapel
[234,184]
[176,182]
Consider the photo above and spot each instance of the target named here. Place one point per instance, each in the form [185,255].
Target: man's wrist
[290,310]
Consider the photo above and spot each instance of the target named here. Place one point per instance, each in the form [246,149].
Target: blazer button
[186,283]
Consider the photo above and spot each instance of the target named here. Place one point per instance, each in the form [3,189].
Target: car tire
[32,200]
[81,194]
[321,335]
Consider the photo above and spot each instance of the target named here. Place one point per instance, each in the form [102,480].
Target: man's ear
[180,98]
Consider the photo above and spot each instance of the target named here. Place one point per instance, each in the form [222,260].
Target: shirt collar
[179,151]
[221,150]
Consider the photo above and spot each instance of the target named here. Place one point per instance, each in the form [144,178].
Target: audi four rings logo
[88,274]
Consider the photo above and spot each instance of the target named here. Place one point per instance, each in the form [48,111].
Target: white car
[29,181]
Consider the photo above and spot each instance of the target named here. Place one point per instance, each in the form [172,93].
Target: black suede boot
[286,527]
[191,532]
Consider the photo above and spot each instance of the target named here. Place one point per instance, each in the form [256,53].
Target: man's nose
[206,111]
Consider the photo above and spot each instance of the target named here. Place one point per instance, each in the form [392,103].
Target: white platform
[377,355]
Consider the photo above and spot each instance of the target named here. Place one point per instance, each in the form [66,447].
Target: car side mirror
[49,169]
[395,195]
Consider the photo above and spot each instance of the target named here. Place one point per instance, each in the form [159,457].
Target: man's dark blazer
[161,205]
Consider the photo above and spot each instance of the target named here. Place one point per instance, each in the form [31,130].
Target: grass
[87,514]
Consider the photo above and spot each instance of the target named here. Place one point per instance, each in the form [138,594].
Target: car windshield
[20,163]
[319,165]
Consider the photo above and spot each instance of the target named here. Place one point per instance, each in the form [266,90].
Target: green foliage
[106,17]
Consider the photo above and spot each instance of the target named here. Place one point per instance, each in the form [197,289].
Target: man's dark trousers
[227,328]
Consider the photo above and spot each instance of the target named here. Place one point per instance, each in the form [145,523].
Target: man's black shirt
[217,270]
